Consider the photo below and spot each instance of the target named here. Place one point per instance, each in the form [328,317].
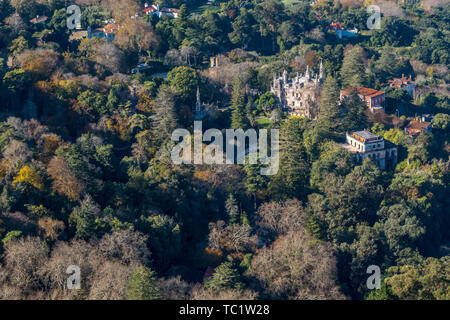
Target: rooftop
[172,10]
[400,82]
[337,26]
[366,92]
[150,9]
[77,35]
[111,28]
[418,125]
[39,19]
[365,136]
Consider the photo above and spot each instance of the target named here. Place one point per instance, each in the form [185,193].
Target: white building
[155,9]
[364,144]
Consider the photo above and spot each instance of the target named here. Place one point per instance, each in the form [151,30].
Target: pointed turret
[198,103]
[321,71]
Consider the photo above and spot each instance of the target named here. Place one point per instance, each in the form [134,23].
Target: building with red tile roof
[155,9]
[404,83]
[416,126]
[39,19]
[373,99]
[111,28]
[336,26]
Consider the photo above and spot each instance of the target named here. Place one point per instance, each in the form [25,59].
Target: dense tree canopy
[86,169]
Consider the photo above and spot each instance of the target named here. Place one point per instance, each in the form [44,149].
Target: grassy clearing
[203,8]
[290,2]
[263,122]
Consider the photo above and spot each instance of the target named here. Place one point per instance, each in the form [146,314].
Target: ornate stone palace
[299,96]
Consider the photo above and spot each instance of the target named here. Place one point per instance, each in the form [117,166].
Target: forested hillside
[87,180]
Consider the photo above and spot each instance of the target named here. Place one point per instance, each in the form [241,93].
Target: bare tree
[232,237]
[110,282]
[276,218]
[126,246]
[108,56]
[174,289]
[200,293]
[64,254]
[23,259]
[296,266]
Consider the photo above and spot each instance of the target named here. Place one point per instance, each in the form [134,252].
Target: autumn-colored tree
[137,35]
[64,181]
[212,257]
[51,228]
[39,63]
[28,176]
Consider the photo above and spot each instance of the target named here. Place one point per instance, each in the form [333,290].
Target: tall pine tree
[292,177]
[353,71]
[143,285]
[238,116]
[331,113]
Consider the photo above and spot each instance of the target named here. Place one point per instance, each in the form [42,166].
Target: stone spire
[321,70]
[198,103]
[307,75]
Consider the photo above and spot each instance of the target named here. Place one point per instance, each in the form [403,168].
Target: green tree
[353,71]
[330,122]
[165,117]
[441,121]
[83,218]
[232,208]
[92,103]
[292,177]
[18,45]
[394,32]
[143,285]
[58,21]
[238,116]
[333,159]
[5,9]
[185,81]
[270,14]
[254,181]
[354,111]
[266,103]
[16,80]
[428,280]
[242,29]
[225,277]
